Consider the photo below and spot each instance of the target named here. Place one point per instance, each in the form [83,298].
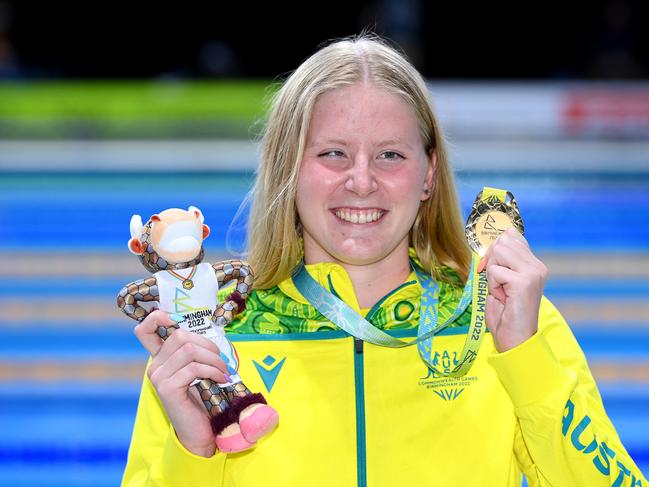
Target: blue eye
[392,156]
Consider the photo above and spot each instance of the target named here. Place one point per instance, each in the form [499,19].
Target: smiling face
[362,177]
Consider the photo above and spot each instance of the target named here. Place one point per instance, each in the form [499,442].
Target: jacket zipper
[360,412]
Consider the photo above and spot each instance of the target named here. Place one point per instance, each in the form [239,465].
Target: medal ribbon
[341,314]
[178,276]
[488,192]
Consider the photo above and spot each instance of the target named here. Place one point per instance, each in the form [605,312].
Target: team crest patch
[447,388]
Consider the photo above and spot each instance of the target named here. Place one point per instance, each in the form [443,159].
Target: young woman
[354,180]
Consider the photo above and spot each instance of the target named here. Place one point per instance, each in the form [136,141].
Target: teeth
[356,216]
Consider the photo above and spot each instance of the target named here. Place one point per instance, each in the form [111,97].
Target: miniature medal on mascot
[170,245]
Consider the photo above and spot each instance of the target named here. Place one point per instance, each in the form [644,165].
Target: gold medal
[493,212]
[187,282]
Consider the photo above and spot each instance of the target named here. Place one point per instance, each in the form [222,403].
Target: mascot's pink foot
[257,420]
[232,441]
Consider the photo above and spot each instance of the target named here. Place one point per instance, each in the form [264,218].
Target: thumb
[147,330]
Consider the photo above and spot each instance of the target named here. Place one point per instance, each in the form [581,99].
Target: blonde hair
[274,240]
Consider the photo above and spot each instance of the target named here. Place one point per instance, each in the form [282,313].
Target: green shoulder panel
[272,311]
[450,293]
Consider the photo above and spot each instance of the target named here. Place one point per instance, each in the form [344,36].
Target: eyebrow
[343,142]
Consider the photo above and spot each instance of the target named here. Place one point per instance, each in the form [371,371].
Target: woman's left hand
[515,278]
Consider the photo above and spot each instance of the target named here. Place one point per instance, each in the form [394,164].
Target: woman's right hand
[175,363]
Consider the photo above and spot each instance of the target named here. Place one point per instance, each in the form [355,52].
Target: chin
[361,256]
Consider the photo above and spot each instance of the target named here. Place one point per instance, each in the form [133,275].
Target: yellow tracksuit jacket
[355,414]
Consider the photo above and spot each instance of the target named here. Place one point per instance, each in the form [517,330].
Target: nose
[361,178]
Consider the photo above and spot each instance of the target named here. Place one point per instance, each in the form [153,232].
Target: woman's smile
[362,216]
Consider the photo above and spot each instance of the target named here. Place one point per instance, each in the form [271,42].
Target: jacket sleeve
[157,458]
[569,439]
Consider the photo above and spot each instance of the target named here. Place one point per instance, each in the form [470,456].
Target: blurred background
[110,108]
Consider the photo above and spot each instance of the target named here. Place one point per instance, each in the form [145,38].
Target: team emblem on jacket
[269,369]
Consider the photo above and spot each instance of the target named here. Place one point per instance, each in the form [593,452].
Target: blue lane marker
[71,288]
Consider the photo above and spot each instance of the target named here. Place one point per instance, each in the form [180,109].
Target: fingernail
[227,377]
[176,317]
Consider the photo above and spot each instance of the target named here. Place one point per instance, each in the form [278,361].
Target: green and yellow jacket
[356,414]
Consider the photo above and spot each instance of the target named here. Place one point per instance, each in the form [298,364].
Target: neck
[373,281]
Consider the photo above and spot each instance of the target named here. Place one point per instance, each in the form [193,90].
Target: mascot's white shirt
[196,305]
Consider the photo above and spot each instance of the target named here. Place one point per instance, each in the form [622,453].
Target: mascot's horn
[136,226]
[191,209]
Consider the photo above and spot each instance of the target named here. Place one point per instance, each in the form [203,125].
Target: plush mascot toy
[171,246]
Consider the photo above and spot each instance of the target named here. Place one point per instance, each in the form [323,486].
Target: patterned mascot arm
[142,290]
[227,271]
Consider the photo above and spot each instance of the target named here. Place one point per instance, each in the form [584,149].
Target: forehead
[363,110]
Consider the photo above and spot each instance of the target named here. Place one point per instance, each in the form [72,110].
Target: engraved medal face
[188,284]
[490,225]
[488,219]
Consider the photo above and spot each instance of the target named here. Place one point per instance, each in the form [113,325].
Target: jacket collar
[335,279]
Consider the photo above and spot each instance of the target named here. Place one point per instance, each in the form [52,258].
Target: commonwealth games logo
[447,388]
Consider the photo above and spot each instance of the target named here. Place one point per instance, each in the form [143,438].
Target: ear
[135,246]
[206,231]
[429,178]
